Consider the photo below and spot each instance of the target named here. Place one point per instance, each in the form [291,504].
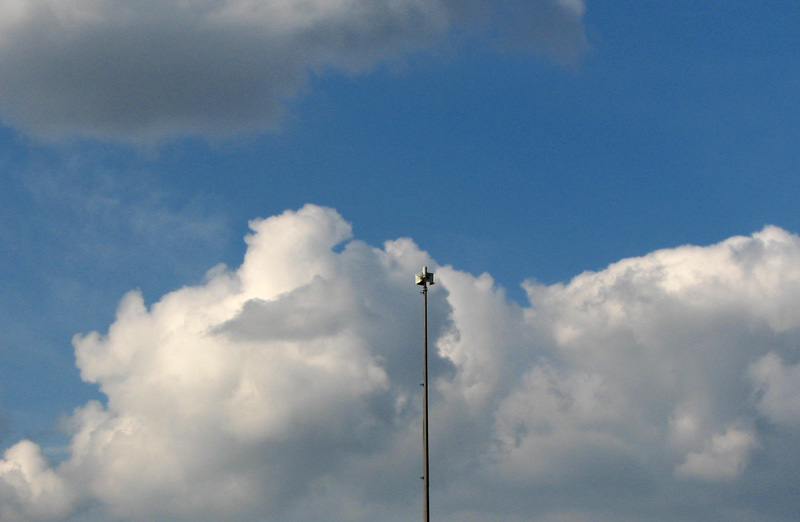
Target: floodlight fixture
[424,278]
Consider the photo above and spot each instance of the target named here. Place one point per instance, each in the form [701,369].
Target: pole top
[424,278]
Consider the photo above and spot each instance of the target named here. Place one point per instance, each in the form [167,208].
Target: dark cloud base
[114,71]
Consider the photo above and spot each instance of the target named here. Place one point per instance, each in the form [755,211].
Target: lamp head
[424,278]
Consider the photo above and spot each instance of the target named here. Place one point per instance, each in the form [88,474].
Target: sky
[211,213]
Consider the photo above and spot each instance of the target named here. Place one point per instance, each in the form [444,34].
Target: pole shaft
[425,477]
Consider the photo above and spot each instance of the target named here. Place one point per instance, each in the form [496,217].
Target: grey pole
[424,279]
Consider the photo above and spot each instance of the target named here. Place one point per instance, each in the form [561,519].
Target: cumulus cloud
[118,70]
[29,488]
[724,458]
[288,389]
[778,388]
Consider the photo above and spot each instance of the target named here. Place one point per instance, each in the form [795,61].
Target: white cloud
[29,489]
[137,71]
[288,389]
[778,387]
[723,459]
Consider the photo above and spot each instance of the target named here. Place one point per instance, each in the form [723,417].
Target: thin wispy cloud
[288,389]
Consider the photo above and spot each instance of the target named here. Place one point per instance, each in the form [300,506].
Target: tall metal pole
[425,471]
[424,279]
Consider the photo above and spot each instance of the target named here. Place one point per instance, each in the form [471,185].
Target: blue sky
[531,146]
